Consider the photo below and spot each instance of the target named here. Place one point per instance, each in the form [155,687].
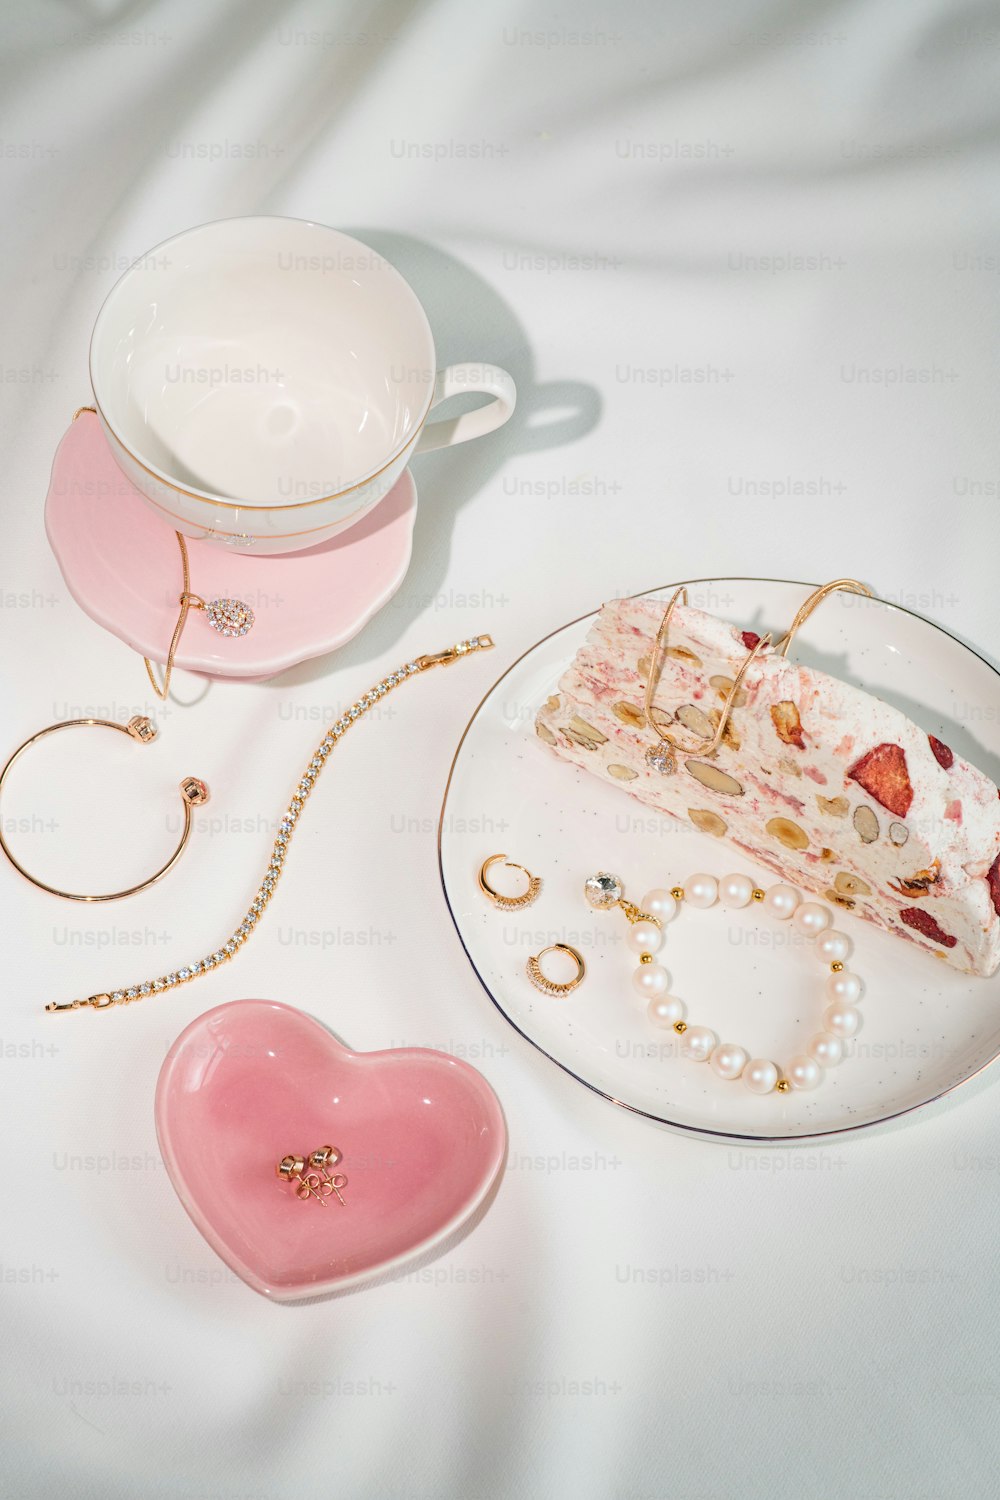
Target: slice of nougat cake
[826,785]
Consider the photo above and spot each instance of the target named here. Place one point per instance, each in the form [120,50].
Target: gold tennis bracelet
[286,828]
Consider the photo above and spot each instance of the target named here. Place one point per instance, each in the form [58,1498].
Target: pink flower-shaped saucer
[122,564]
[422,1138]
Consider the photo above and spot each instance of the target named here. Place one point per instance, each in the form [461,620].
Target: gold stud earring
[550,986]
[322,1159]
[508,903]
[293,1169]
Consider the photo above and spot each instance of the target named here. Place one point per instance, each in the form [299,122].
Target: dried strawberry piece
[915,916]
[942,754]
[750,639]
[993,882]
[883,774]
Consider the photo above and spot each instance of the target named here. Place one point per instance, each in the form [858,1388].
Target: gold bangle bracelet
[194,793]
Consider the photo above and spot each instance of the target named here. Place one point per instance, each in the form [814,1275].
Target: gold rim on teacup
[223,287]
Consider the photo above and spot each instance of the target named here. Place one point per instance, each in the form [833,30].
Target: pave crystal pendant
[229,616]
[661,758]
[603,889]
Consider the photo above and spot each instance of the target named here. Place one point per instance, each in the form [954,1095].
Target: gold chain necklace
[286,828]
[227,616]
[161,692]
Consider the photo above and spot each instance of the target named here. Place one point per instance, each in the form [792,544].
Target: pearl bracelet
[811,919]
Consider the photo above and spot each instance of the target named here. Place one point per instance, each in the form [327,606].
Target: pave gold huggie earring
[551,986]
[194,793]
[508,903]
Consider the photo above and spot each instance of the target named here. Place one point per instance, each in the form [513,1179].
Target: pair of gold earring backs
[515,903]
[320,1183]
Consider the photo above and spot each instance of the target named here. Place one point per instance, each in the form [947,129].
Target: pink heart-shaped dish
[422,1136]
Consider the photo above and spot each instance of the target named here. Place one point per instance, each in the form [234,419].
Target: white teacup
[263,382]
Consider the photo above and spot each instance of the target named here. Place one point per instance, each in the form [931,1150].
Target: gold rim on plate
[681,1126]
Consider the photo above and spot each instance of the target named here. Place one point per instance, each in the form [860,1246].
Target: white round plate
[926,1028]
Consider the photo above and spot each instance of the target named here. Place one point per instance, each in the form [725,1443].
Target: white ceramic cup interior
[271,362]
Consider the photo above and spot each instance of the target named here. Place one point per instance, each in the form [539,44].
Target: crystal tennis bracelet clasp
[445,658]
[96,1002]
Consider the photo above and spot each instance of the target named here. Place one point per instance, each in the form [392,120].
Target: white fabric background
[826,1319]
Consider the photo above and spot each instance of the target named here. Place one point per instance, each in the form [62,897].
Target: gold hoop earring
[508,903]
[194,793]
[549,986]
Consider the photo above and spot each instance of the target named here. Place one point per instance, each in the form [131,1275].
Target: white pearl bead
[832,947]
[844,988]
[735,890]
[804,1072]
[664,1010]
[826,1048]
[810,918]
[644,937]
[698,1043]
[728,1060]
[660,903]
[650,979]
[701,891]
[780,901]
[760,1076]
[842,1020]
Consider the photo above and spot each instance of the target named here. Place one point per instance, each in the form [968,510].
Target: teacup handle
[456,380]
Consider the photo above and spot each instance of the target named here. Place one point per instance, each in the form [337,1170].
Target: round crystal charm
[229,616]
[661,758]
[603,889]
